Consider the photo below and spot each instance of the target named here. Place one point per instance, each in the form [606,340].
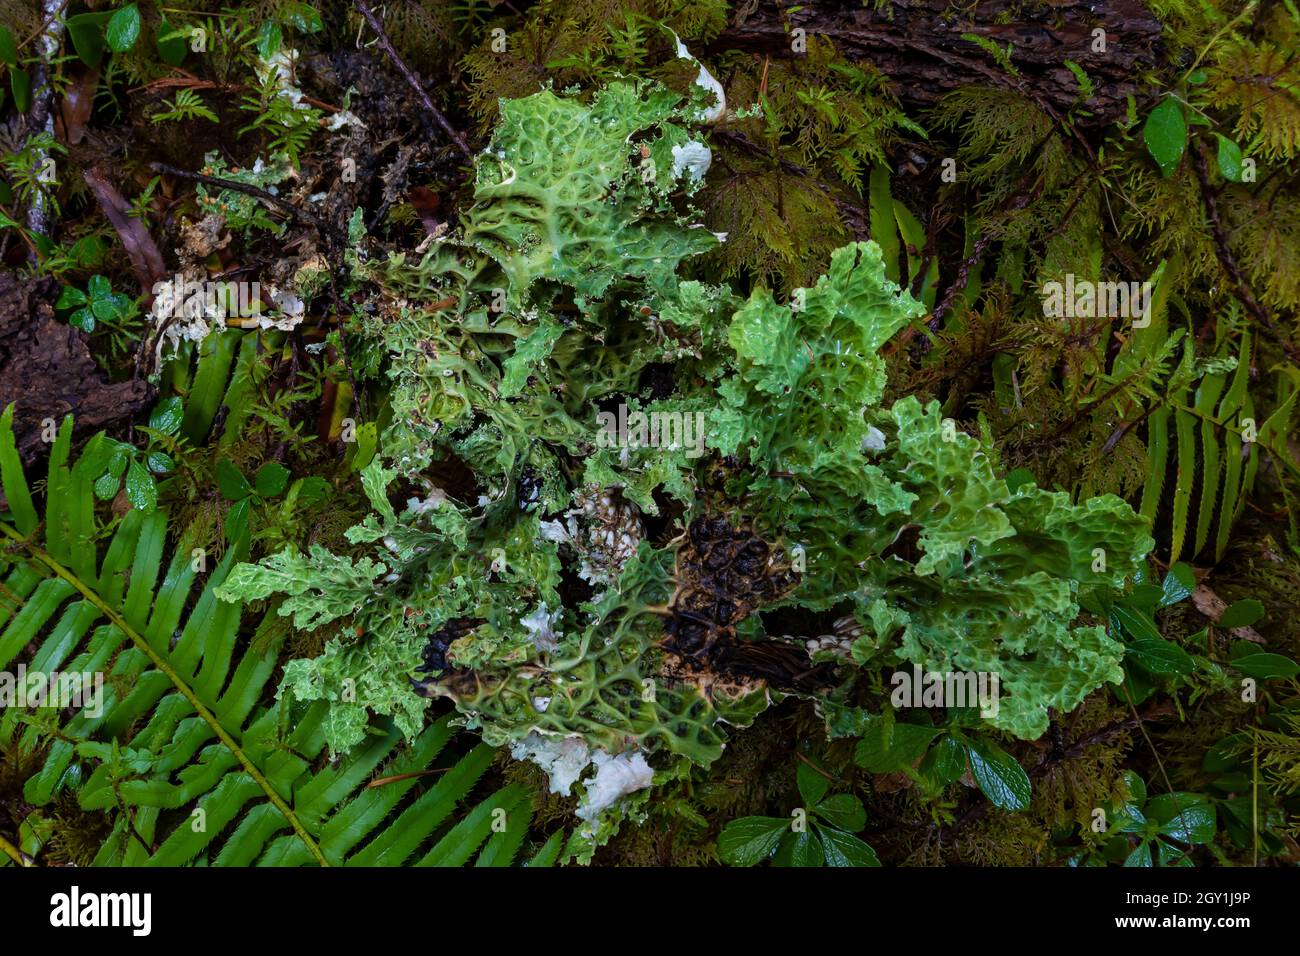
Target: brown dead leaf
[1213,606]
[145,258]
[78,101]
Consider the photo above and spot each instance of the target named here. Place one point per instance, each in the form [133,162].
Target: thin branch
[364,9]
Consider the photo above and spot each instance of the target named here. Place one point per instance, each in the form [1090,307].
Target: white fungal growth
[711,114]
[563,759]
[693,159]
[615,778]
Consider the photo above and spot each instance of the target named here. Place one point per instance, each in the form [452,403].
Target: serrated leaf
[750,840]
[168,415]
[845,849]
[140,488]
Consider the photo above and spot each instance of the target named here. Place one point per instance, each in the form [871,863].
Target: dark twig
[364,9]
[301,215]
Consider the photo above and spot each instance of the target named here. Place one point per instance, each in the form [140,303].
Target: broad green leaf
[234,486]
[87,32]
[167,416]
[20,82]
[8,49]
[844,849]
[1184,816]
[301,16]
[1178,585]
[800,849]
[998,774]
[1265,666]
[70,297]
[269,39]
[750,840]
[887,748]
[1140,857]
[1242,613]
[812,784]
[172,45]
[1157,656]
[843,811]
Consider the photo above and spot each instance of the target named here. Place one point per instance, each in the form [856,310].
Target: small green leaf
[812,785]
[98,287]
[1135,787]
[82,319]
[844,849]
[844,811]
[237,521]
[945,762]
[123,29]
[301,16]
[750,840]
[271,479]
[21,84]
[1003,780]
[800,849]
[1178,585]
[159,462]
[1242,613]
[1141,856]
[70,298]
[234,486]
[269,39]
[167,417]
[87,32]
[106,486]
[886,747]
[1182,816]
[1229,155]
[8,49]
[140,488]
[171,43]
[1165,133]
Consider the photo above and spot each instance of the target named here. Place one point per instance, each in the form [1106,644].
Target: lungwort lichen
[599,606]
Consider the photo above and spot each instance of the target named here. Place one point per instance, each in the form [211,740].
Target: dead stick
[387,47]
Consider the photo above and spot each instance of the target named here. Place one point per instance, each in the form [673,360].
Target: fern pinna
[182,751]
